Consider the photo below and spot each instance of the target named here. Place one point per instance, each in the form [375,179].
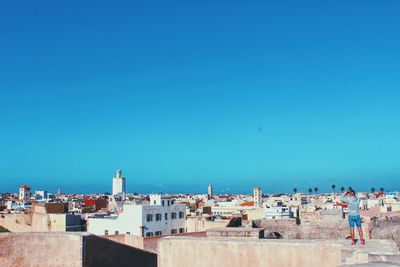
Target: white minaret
[257,195]
[119,185]
[210,191]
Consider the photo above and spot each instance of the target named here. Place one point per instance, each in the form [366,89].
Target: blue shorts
[355,219]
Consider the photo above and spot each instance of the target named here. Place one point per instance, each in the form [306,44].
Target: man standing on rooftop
[354,214]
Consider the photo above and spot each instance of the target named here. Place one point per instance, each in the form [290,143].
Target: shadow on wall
[100,252]
[274,235]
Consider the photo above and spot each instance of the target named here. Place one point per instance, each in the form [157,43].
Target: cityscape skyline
[273,187]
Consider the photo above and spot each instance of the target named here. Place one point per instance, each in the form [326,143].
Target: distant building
[160,217]
[53,217]
[257,196]
[119,186]
[41,195]
[279,212]
[24,193]
[210,191]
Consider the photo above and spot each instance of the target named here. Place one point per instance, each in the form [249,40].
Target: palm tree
[372,190]
[342,189]
[382,189]
[316,189]
[350,188]
[333,188]
[310,190]
[295,190]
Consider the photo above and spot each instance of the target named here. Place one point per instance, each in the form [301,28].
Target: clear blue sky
[178,94]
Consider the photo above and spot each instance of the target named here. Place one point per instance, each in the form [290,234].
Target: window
[105,232]
[181,214]
[128,233]
[173,215]
[149,217]
[166,216]
[158,233]
[149,234]
[168,202]
[158,217]
[162,203]
[117,232]
[154,202]
[173,231]
[181,230]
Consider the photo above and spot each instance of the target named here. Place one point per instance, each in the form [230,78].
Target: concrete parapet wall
[40,249]
[178,252]
[69,249]
[235,252]
[145,243]
[18,222]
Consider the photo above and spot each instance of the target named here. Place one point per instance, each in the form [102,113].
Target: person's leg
[360,231]
[351,224]
[353,241]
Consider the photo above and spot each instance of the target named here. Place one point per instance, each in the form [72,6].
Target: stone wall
[316,229]
[386,228]
[18,222]
[216,252]
[145,243]
[40,249]
[69,249]
[200,224]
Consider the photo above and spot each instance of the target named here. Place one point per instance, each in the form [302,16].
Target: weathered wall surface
[212,252]
[145,243]
[16,222]
[99,252]
[387,228]
[316,229]
[69,249]
[199,224]
[40,249]
[216,252]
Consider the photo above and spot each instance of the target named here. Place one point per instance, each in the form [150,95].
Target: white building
[279,212]
[257,195]
[160,217]
[24,193]
[41,195]
[119,186]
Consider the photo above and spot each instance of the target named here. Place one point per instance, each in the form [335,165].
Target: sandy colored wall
[198,224]
[69,249]
[316,229]
[146,243]
[213,252]
[16,222]
[40,249]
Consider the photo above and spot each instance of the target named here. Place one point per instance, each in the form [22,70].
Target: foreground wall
[40,249]
[222,252]
[69,249]
[216,252]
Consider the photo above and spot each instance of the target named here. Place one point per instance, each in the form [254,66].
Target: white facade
[257,196]
[119,186]
[24,193]
[277,212]
[161,217]
[41,195]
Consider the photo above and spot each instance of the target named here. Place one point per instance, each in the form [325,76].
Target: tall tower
[257,196]
[24,193]
[210,191]
[119,185]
